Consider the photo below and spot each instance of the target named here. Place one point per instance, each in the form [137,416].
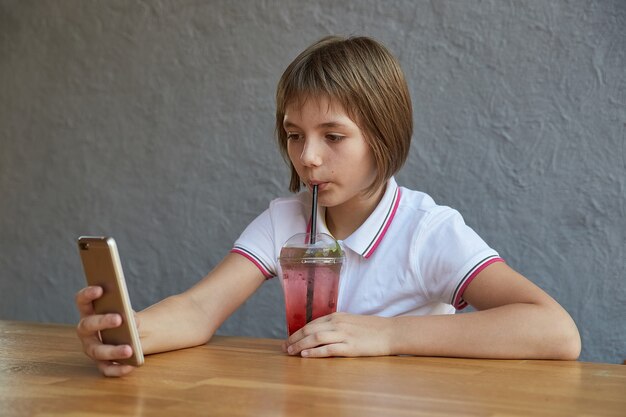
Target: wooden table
[43,372]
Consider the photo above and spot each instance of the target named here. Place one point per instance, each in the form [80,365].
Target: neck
[346,218]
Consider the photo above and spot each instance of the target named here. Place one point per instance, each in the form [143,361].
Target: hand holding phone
[102,268]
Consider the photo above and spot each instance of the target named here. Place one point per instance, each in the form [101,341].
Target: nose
[311,155]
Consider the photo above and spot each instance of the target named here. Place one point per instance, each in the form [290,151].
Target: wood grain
[43,372]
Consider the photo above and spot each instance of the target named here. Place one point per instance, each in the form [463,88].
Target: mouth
[320,185]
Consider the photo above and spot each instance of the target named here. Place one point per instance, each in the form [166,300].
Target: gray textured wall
[152,122]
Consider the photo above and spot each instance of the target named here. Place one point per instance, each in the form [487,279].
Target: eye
[293,136]
[334,137]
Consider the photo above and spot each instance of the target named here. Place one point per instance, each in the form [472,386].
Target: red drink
[310,282]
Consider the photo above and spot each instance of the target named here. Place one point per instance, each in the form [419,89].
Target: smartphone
[102,266]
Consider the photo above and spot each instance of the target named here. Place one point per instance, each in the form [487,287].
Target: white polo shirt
[410,257]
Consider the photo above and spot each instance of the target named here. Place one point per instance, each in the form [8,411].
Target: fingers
[93,347]
[88,328]
[101,352]
[88,332]
[111,369]
[84,299]
[321,324]
[314,340]
[326,351]
[89,325]
[341,334]
[107,357]
[104,355]
[320,344]
[317,334]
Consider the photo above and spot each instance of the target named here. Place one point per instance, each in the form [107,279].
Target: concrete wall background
[152,121]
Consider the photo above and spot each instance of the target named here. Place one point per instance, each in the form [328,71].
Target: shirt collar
[368,236]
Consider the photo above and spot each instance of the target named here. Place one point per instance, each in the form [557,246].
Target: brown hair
[363,76]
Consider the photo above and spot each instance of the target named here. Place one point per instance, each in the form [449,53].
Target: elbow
[568,345]
[568,350]
[572,347]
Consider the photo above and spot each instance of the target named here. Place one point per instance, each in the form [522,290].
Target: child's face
[327,148]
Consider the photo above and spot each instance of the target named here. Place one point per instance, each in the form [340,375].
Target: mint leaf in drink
[336,252]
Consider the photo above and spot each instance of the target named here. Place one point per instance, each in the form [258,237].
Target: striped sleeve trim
[384,226]
[263,267]
[457,299]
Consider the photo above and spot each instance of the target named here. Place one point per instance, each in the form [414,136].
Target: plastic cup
[310,277]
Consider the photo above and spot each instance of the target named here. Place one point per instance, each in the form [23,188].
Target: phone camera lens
[84,246]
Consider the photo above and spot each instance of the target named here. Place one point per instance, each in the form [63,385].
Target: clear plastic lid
[299,249]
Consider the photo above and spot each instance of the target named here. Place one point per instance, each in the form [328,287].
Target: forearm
[173,323]
[191,318]
[507,332]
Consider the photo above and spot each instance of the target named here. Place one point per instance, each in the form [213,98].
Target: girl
[344,123]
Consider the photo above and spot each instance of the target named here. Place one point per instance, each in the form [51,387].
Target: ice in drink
[310,278]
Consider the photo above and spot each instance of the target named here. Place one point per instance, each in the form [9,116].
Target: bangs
[362,77]
[314,79]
